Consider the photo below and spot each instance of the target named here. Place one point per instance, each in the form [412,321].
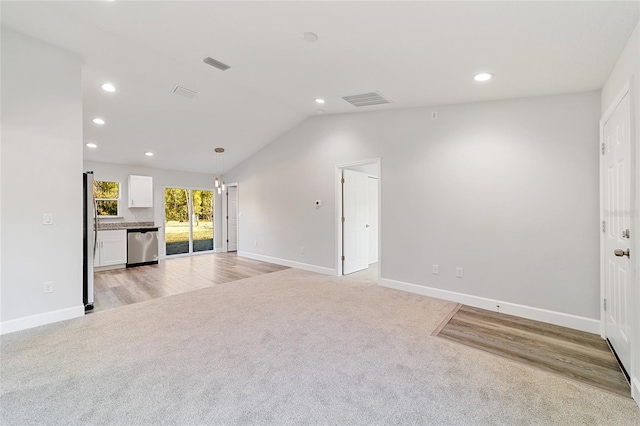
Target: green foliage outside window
[107,207]
[176,205]
[176,202]
[107,195]
[104,189]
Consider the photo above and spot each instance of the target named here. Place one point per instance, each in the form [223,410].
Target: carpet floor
[289,347]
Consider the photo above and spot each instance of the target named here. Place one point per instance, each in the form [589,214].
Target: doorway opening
[358,205]
[230,213]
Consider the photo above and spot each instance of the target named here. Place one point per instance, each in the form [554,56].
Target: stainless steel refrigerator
[90,234]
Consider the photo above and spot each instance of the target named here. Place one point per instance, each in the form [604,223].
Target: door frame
[338,213]
[634,294]
[225,221]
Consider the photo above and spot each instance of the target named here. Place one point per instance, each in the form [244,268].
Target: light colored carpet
[290,347]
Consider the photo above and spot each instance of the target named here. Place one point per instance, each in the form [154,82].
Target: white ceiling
[413,53]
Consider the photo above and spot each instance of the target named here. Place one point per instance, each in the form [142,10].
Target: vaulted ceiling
[413,53]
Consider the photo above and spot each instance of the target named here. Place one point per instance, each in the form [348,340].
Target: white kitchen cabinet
[140,191]
[111,249]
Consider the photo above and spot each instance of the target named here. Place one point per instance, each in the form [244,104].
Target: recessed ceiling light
[483,76]
[98,121]
[310,37]
[148,154]
[108,87]
[92,145]
[319,100]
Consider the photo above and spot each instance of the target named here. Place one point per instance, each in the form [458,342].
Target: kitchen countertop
[115,226]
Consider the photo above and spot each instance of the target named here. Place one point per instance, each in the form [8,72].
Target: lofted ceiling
[413,53]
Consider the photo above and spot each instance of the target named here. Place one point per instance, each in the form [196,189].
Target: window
[107,195]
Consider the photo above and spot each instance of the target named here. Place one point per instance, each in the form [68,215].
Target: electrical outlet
[435,269]
[459,272]
[48,287]
[301,250]
[434,115]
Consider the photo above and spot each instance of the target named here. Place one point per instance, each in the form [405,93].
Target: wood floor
[173,276]
[577,355]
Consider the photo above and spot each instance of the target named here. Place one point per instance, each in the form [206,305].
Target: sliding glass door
[188,220]
[202,220]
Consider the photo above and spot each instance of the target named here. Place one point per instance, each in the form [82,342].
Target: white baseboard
[290,263]
[110,267]
[635,389]
[220,250]
[552,317]
[41,319]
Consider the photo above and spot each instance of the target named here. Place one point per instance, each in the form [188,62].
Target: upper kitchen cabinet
[140,191]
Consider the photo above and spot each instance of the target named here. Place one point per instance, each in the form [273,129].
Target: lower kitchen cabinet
[111,249]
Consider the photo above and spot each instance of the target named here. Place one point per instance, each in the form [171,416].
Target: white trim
[338,194]
[109,267]
[220,250]
[41,319]
[225,222]
[552,317]
[603,326]
[177,255]
[612,107]
[285,262]
[635,389]
[338,215]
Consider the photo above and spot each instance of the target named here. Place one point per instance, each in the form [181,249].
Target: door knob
[367,225]
[620,252]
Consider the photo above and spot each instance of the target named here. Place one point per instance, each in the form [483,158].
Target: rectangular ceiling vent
[183,91]
[216,64]
[366,99]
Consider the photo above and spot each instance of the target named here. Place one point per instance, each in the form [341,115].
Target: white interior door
[355,229]
[373,219]
[617,209]
[232,218]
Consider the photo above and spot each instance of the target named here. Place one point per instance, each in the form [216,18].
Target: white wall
[371,169]
[508,190]
[627,70]
[41,172]
[161,179]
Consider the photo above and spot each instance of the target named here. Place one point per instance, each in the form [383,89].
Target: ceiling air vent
[183,91]
[366,99]
[217,64]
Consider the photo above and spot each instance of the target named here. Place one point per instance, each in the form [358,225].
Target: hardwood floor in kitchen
[173,276]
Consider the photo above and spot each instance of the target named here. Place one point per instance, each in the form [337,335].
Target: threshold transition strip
[573,354]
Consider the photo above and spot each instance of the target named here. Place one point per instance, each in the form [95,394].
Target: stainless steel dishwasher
[142,246]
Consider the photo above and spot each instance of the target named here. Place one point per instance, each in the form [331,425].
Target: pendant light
[219,159]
